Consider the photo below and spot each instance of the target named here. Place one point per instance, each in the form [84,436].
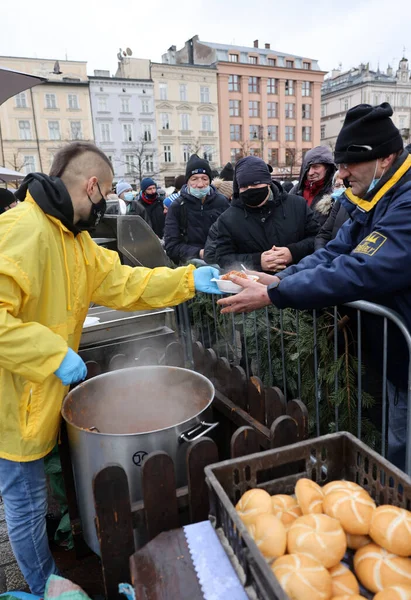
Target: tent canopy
[10,175]
[14,82]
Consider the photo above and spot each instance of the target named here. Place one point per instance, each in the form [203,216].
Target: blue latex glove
[202,277]
[72,369]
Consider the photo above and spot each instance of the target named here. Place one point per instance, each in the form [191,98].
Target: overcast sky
[347,31]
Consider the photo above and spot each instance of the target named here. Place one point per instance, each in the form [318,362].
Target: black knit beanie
[6,198]
[250,170]
[197,166]
[371,127]
[228,172]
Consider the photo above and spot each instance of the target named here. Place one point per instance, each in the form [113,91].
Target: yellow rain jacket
[48,277]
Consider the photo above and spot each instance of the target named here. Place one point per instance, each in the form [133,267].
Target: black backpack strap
[183,221]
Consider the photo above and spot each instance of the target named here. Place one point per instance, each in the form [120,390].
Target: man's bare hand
[263,278]
[280,258]
[253,297]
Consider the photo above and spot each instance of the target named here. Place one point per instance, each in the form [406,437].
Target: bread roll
[269,534]
[395,592]
[303,577]
[335,486]
[309,496]
[252,504]
[286,509]
[377,569]
[391,529]
[349,597]
[319,536]
[353,510]
[344,582]
[355,542]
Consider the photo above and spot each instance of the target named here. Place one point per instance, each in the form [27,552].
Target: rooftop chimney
[255,43]
[267,46]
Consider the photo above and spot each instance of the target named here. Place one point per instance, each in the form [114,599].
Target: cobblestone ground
[8,565]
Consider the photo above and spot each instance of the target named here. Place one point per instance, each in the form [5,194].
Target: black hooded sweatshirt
[52,196]
[245,233]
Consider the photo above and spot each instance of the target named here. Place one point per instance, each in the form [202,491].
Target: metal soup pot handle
[187,435]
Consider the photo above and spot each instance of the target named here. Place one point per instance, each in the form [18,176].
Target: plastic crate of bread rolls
[322,519]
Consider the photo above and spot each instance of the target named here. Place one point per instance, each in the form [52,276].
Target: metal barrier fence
[326,358]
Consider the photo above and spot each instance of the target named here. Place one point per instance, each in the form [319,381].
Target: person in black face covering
[265,228]
[153,205]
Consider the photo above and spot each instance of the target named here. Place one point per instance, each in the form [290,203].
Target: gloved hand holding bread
[305,536]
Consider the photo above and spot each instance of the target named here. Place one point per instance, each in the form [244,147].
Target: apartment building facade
[268,102]
[124,122]
[343,90]
[35,124]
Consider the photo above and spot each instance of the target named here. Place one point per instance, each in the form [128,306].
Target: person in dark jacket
[7,200]
[316,178]
[287,186]
[370,257]
[190,216]
[264,228]
[336,218]
[153,205]
[127,204]
[227,173]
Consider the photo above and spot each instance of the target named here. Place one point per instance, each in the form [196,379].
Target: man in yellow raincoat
[50,271]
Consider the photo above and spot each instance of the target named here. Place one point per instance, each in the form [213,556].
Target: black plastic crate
[323,459]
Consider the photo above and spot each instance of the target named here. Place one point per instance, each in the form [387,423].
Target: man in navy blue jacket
[370,257]
[190,216]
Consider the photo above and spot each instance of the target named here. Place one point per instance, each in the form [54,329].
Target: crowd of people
[341,234]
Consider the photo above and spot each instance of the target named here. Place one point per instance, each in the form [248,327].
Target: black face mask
[253,197]
[151,196]
[96,213]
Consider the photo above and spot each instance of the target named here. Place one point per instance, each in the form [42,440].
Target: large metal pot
[122,416]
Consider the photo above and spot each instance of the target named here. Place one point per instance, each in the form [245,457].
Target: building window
[165,120]
[206,123]
[163,91]
[273,157]
[253,108]
[255,152]
[233,57]
[306,66]
[403,99]
[147,132]
[145,106]
[235,155]
[289,64]
[204,95]
[346,103]
[322,135]
[234,108]
[208,153]
[235,132]
[75,130]
[272,62]
[127,132]
[306,111]
[306,88]
[253,60]
[149,163]
[183,92]
[72,101]
[105,129]
[402,122]
[51,101]
[254,85]
[102,104]
[323,110]
[129,160]
[272,133]
[233,83]
[289,87]
[254,132]
[29,164]
[54,130]
[185,122]
[186,152]
[289,157]
[125,105]
[167,154]
[306,134]
[272,110]
[289,133]
[21,100]
[25,130]
[271,85]
[289,110]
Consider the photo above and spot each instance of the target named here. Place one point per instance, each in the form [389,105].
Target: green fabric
[52,466]
[58,588]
